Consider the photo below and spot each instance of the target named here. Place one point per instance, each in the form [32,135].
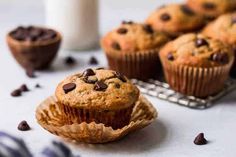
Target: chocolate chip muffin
[224,29]
[101,96]
[212,8]
[175,19]
[34,47]
[196,65]
[132,49]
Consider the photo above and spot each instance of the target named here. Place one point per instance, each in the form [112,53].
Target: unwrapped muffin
[100,96]
[196,65]
[212,8]
[224,29]
[132,49]
[175,19]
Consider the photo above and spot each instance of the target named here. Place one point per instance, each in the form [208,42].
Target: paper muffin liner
[195,81]
[50,118]
[115,119]
[142,65]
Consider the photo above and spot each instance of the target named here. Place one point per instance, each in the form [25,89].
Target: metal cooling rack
[163,91]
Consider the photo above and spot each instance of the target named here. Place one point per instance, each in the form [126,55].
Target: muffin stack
[194,52]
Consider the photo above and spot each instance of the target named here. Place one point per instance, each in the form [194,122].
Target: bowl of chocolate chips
[34,47]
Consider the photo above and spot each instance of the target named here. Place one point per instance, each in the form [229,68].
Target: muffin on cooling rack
[100,96]
[196,65]
[212,8]
[224,29]
[175,19]
[132,49]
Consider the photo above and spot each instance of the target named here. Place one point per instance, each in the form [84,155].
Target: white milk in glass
[77,20]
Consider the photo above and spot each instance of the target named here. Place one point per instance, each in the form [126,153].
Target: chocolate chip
[69,61]
[127,22]
[100,86]
[120,76]
[209,6]
[116,46]
[100,68]
[37,86]
[31,38]
[122,31]
[222,58]
[148,29]
[23,126]
[36,32]
[117,85]
[234,20]
[93,61]
[69,87]
[30,73]
[90,80]
[187,10]
[165,17]
[16,93]
[200,139]
[24,88]
[88,72]
[201,42]
[170,56]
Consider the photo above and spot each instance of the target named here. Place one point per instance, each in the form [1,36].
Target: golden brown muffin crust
[212,8]
[223,29]
[133,37]
[198,51]
[175,19]
[97,89]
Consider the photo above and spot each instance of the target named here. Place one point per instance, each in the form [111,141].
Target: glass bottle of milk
[77,20]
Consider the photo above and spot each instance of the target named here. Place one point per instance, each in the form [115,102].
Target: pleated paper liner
[50,118]
[142,65]
[194,81]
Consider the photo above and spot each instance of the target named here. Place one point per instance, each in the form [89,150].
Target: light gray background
[171,135]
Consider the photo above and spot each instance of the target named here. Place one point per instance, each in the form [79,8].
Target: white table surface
[171,135]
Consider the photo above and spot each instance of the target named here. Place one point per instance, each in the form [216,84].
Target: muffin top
[223,28]
[97,89]
[212,8]
[197,50]
[175,19]
[133,37]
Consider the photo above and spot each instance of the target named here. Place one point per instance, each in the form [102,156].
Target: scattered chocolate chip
[93,61]
[69,61]
[201,42]
[170,56]
[127,22]
[100,86]
[165,17]
[148,28]
[187,10]
[24,88]
[90,80]
[122,31]
[23,126]
[209,6]
[37,86]
[30,73]
[88,72]
[116,46]
[222,58]
[16,93]
[200,139]
[120,76]
[69,87]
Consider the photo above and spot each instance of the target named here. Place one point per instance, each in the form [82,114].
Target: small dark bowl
[37,55]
